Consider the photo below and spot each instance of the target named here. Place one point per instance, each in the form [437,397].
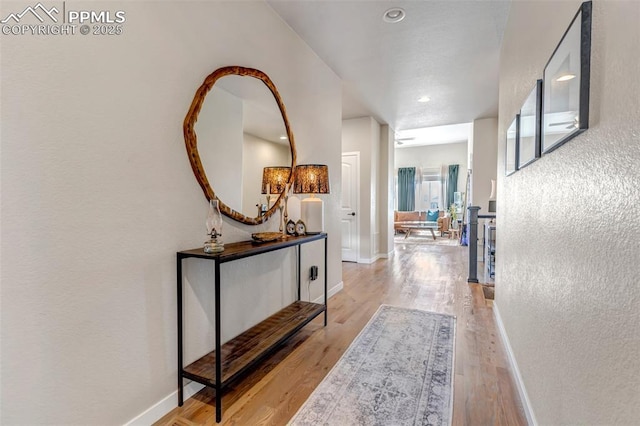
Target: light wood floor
[429,277]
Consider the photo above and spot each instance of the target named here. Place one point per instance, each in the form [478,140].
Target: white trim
[332,291]
[369,261]
[522,391]
[164,406]
[453,369]
[386,255]
[376,243]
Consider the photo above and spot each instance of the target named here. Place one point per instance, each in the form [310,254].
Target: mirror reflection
[241,131]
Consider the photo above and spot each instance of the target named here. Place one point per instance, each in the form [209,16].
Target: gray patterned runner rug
[398,371]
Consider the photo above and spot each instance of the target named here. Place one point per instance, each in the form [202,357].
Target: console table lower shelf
[252,346]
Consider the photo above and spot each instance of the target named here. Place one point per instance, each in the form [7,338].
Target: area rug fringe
[374,382]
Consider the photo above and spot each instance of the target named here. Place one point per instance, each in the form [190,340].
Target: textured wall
[98,195]
[569,224]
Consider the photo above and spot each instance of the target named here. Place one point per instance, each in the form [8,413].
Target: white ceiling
[449,133]
[446,50]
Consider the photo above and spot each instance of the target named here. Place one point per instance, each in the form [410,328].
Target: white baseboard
[164,406]
[367,260]
[522,391]
[386,255]
[333,290]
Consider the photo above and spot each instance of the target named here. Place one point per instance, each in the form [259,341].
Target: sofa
[444,222]
[398,217]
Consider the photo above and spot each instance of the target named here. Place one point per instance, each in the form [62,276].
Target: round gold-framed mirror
[234,185]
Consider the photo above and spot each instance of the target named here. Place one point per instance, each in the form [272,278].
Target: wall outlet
[313,273]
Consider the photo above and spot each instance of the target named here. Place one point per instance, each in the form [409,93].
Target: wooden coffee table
[418,226]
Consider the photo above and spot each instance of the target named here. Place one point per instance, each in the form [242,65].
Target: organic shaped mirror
[232,131]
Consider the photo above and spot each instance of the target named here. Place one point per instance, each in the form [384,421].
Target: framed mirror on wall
[236,127]
[566,84]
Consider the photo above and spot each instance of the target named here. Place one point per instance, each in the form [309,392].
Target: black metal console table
[228,362]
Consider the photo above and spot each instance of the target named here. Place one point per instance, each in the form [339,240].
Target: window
[430,189]
[430,192]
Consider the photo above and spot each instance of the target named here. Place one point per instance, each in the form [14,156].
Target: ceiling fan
[573,124]
[401,141]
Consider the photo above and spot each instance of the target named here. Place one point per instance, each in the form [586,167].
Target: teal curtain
[452,184]
[406,189]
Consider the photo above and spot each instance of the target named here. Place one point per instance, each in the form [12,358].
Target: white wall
[374,199]
[258,154]
[569,225]
[434,156]
[363,135]
[219,129]
[385,190]
[485,155]
[98,195]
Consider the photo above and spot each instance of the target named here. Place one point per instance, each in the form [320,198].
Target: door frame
[357,196]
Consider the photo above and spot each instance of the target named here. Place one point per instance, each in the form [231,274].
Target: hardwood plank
[240,351]
[427,277]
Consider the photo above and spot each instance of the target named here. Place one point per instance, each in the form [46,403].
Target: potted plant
[453,212]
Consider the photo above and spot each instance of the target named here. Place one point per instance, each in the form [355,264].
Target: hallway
[429,277]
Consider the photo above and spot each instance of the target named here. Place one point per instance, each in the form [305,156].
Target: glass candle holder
[214,228]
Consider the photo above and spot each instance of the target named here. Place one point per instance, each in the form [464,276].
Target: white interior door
[349,206]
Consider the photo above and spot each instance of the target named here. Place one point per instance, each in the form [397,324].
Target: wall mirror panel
[511,147]
[530,122]
[236,127]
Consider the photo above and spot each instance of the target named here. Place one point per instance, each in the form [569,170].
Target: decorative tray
[263,237]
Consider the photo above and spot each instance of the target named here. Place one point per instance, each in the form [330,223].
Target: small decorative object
[566,83]
[511,157]
[530,124]
[263,237]
[214,229]
[286,204]
[301,228]
[281,207]
[291,227]
[312,179]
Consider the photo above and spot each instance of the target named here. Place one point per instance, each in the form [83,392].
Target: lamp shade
[275,179]
[311,179]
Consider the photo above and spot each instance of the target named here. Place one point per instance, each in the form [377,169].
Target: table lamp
[312,179]
[274,181]
[492,197]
